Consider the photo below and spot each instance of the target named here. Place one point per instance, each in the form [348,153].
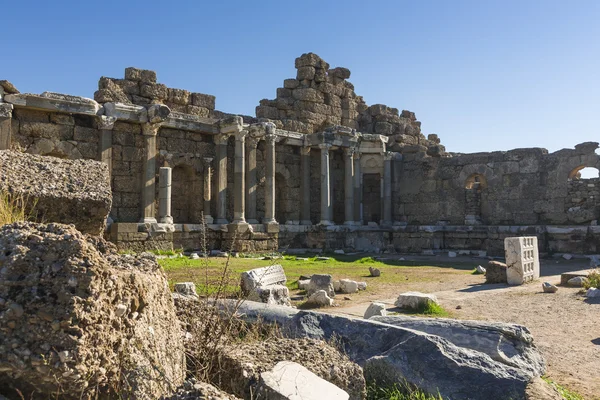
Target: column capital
[6,110]
[231,125]
[349,151]
[241,135]
[305,150]
[207,160]
[106,123]
[325,146]
[149,129]
[221,138]
[388,155]
[270,139]
[356,155]
[158,113]
[252,141]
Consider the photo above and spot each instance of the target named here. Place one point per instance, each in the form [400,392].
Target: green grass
[167,252]
[564,392]
[593,280]
[430,309]
[398,392]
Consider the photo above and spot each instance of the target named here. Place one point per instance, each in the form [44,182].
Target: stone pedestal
[208,171]
[106,125]
[270,179]
[387,189]
[164,196]
[305,186]
[325,186]
[221,195]
[348,186]
[251,143]
[149,173]
[357,189]
[522,259]
[5,125]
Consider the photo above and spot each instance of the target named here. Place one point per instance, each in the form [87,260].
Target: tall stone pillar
[149,173]
[221,142]
[349,186]
[387,189]
[5,125]
[208,171]
[164,196]
[106,125]
[305,186]
[325,186]
[251,143]
[270,180]
[239,168]
[357,189]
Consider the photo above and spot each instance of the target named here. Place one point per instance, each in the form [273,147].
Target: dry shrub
[13,209]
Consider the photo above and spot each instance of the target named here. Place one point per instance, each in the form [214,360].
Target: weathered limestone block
[110,92]
[99,320]
[264,276]
[522,259]
[375,309]
[271,294]
[308,94]
[415,300]
[56,190]
[289,380]
[8,87]
[154,91]
[291,83]
[305,73]
[321,282]
[178,96]
[495,272]
[142,75]
[203,100]
[348,286]
[320,298]
[339,72]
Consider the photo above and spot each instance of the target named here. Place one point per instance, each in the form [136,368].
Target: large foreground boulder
[390,353]
[57,190]
[79,320]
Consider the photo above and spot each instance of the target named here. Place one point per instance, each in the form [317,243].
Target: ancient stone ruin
[316,168]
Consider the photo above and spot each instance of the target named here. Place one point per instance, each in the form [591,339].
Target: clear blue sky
[483,75]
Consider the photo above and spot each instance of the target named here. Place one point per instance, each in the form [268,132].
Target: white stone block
[265,276]
[522,259]
[415,300]
[375,309]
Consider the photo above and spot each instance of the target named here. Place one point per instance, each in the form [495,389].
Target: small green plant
[13,209]
[564,392]
[171,252]
[367,260]
[398,392]
[431,309]
[593,280]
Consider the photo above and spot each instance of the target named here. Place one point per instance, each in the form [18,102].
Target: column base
[166,220]
[271,226]
[325,222]
[305,222]
[252,221]
[148,220]
[350,223]
[239,227]
[208,219]
[221,221]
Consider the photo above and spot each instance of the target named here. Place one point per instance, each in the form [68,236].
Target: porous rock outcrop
[74,192]
[79,320]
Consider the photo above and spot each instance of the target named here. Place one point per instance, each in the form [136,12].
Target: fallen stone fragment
[567,256]
[362,285]
[415,300]
[272,294]
[480,269]
[321,282]
[593,292]
[348,286]
[319,299]
[375,309]
[303,284]
[289,380]
[186,289]
[374,272]
[578,281]
[495,272]
[547,287]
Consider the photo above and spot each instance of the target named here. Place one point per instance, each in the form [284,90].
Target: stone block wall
[582,203]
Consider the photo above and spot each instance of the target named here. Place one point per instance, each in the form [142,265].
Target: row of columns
[245,181]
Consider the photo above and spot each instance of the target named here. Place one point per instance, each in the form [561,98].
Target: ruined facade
[317,168]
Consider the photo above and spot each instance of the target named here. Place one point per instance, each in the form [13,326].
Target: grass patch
[398,392]
[430,309]
[12,209]
[564,392]
[593,280]
[159,252]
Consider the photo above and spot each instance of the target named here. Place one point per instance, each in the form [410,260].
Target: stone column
[106,125]
[305,186]
[357,189]
[387,189]
[164,196]
[251,143]
[349,186]
[149,173]
[270,180]
[5,125]
[221,142]
[239,168]
[325,187]
[208,171]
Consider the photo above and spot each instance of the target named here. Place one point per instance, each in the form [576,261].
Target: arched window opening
[584,172]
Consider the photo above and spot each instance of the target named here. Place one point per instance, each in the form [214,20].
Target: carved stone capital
[388,155]
[6,110]
[252,142]
[241,135]
[207,161]
[158,113]
[325,146]
[221,138]
[349,151]
[106,123]
[150,129]
[305,150]
[271,139]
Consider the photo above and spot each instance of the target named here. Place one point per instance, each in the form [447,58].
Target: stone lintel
[55,102]
[191,123]
[128,112]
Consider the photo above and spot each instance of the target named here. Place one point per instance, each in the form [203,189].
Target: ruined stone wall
[518,187]
[583,200]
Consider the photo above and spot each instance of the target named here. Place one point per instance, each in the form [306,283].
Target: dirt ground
[565,325]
